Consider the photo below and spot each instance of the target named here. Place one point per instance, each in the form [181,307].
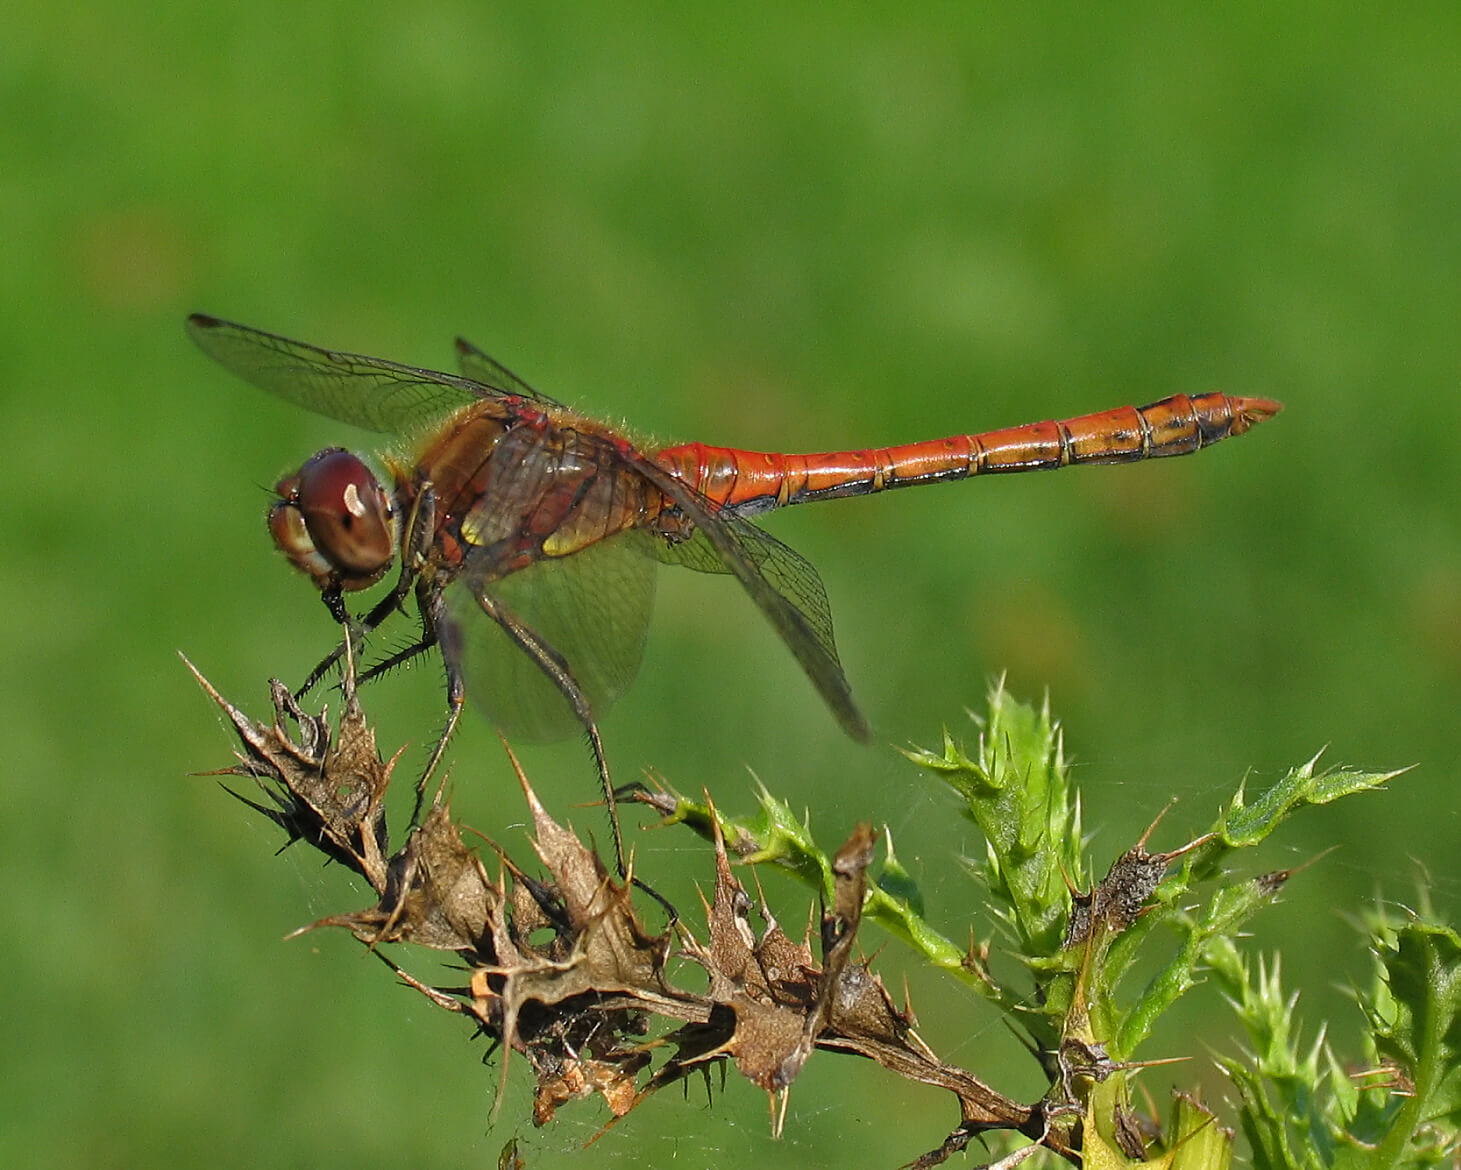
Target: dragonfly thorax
[334,521]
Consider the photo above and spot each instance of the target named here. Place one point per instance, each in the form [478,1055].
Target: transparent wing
[782,583]
[487,370]
[592,608]
[363,391]
[785,569]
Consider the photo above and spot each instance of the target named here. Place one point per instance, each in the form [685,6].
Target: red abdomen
[749,482]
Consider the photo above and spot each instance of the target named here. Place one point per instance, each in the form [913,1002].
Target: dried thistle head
[560,968]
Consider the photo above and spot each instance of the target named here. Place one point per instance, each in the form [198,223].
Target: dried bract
[562,971]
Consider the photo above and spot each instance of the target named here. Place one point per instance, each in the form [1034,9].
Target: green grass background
[768,226]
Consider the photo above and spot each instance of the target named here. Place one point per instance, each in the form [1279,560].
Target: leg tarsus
[454,713]
[669,906]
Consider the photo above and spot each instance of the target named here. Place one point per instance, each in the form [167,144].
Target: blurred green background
[773,228]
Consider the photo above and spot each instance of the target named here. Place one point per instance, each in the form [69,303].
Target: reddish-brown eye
[334,521]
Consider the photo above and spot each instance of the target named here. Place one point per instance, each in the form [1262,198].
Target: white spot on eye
[353,503]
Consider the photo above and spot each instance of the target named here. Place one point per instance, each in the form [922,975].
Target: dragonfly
[529,534]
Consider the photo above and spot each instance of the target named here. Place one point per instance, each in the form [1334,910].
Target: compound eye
[349,517]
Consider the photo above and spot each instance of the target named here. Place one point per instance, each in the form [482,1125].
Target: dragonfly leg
[400,657]
[353,629]
[436,630]
[551,663]
[455,695]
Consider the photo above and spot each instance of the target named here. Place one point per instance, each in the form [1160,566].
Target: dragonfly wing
[483,368]
[592,608]
[363,391]
[782,582]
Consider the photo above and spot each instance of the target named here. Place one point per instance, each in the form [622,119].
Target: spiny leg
[433,623]
[400,657]
[551,663]
[454,698]
[353,629]
[436,630]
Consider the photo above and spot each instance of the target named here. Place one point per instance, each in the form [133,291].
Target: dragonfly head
[334,521]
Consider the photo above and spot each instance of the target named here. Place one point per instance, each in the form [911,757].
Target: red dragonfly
[512,507]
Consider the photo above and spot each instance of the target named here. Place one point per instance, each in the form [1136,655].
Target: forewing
[363,391]
[780,580]
[593,609]
[483,368]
